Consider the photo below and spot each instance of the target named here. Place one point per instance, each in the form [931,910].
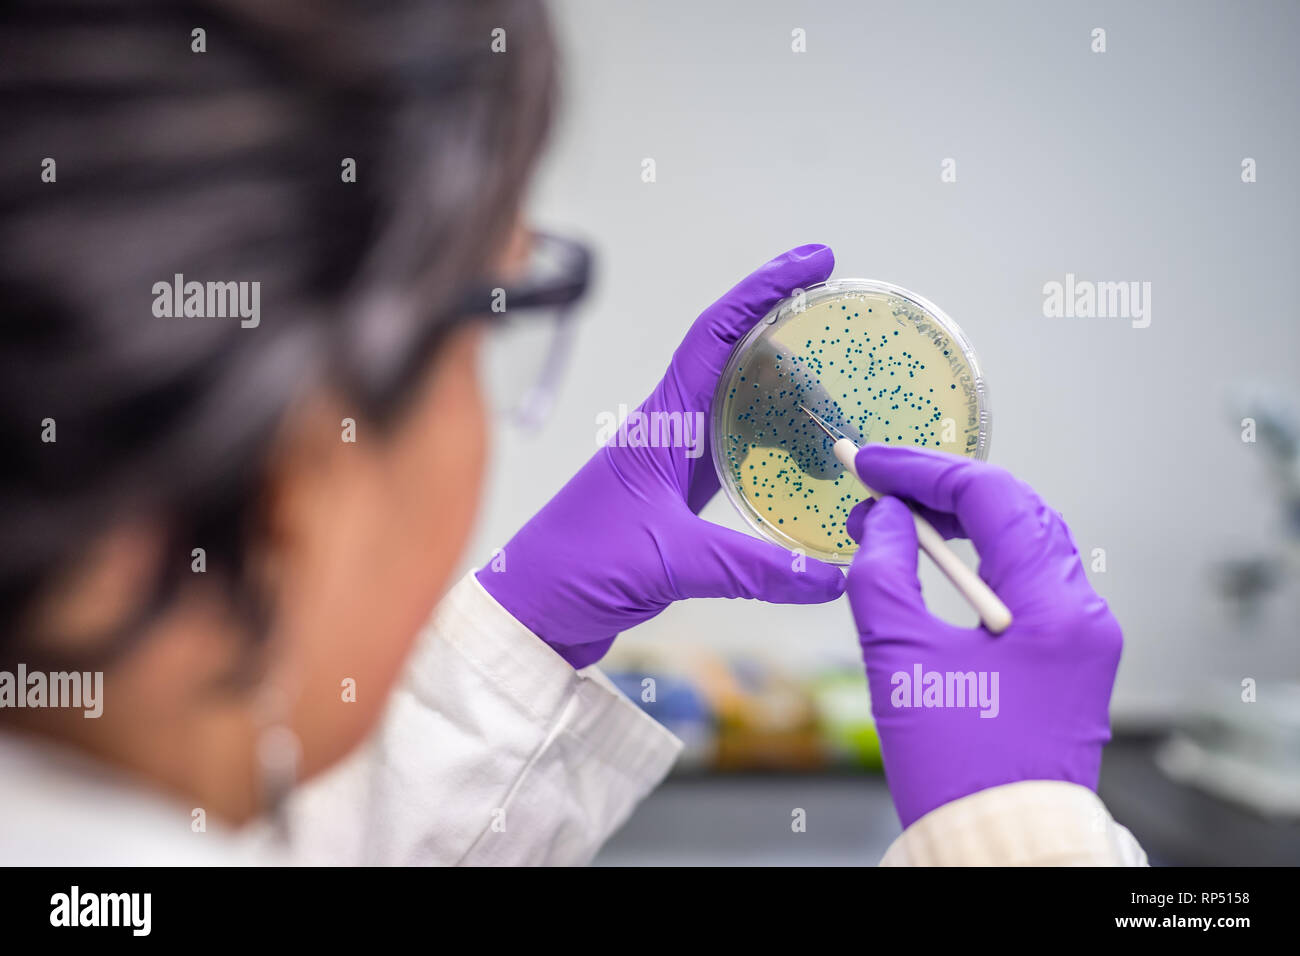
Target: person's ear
[99,591]
[304,471]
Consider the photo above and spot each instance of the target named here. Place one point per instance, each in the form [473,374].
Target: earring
[279,752]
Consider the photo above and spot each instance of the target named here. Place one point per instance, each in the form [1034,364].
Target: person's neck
[208,763]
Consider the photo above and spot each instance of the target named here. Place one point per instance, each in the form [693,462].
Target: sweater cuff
[1028,823]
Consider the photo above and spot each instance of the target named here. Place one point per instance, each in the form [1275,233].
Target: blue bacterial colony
[873,365]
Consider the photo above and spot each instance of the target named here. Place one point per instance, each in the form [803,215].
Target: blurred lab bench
[741,819]
[744,819]
[1181,826]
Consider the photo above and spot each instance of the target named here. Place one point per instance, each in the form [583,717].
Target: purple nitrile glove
[623,540]
[1047,713]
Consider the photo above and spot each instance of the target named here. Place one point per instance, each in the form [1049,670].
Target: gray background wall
[1117,166]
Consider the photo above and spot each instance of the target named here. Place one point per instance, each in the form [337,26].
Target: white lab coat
[492,751]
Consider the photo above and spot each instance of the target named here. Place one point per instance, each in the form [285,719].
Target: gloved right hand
[1055,666]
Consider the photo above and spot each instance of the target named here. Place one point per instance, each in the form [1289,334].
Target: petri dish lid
[874,360]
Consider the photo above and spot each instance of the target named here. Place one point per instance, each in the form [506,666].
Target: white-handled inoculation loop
[995,615]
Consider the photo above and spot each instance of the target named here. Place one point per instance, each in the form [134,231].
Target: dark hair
[226,165]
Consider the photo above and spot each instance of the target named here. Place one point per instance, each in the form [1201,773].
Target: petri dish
[879,363]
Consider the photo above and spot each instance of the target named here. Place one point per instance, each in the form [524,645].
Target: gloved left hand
[623,539]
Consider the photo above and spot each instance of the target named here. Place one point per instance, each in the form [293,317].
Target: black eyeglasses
[557,274]
[531,332]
